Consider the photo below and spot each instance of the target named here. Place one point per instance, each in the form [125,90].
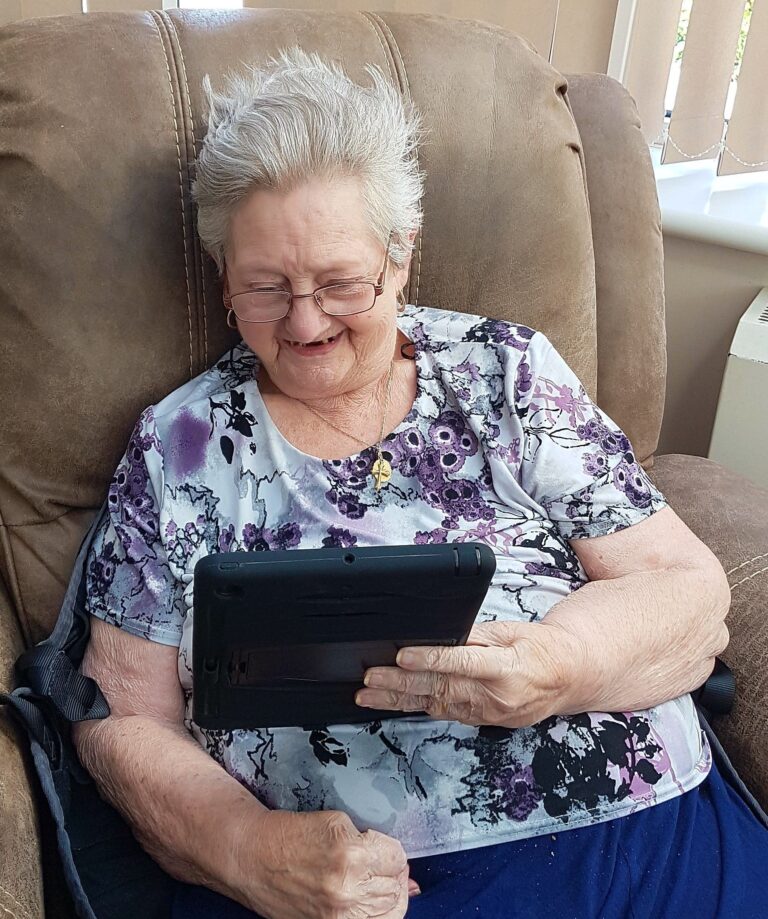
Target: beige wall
[576,34]
[11,10]
[708,287]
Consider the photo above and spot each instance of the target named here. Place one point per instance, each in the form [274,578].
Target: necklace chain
[382,471]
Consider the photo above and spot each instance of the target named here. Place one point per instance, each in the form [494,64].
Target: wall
[708,287]
[11,10]
[574,34]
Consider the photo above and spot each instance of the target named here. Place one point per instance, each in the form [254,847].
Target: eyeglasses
[341,299]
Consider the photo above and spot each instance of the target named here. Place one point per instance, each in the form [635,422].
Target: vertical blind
[720,109]
[697,122]
[649,56]
[746,138]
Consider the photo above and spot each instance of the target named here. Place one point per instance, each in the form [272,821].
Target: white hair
[299,118]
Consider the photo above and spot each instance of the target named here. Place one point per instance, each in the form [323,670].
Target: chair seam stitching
[14,587]
[396,47]
[387,52]
[172,25]
[27,799]
[205,307]
[755,558]
[156,19]
[33,523]
[749,578]
[393,46]
[15,901]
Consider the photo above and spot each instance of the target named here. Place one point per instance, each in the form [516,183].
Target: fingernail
[373,679]
[405,657]
[361,700]
[413,889]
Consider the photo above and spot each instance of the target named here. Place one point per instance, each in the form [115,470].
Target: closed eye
[361,277]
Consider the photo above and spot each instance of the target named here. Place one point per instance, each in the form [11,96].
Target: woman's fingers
[447,687]
[385,855]
[390,700]
[473,661]
[384,896]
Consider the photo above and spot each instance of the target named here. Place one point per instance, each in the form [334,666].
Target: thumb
[413,888]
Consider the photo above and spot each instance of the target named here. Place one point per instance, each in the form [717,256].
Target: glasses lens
[345,299]
[261,305]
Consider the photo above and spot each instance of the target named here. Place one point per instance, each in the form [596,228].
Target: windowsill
[728,211]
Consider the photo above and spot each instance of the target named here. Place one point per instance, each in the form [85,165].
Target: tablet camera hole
[349,558]
[228,591]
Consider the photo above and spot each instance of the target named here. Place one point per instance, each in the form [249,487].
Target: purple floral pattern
[504,446]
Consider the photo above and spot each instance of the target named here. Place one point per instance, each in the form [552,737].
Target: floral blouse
[503,446]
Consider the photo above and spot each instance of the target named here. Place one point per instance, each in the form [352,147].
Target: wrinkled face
[313,235]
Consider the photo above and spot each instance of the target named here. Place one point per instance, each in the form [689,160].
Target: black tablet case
[284,638]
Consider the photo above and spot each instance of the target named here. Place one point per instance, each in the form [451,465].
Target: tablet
[283,638]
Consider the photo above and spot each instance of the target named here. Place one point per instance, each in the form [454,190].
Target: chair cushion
[629,259]
[21,879]
[730,515]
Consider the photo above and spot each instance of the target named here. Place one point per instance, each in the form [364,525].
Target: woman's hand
[317,865]
[510,674]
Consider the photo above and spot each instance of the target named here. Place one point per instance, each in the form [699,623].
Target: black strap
[715,697]
[49,670]
[50,673]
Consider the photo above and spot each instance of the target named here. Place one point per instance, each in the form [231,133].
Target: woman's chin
[313,379]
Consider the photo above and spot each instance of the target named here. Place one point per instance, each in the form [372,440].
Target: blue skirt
[703,855]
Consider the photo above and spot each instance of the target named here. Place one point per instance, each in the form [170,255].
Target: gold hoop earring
[230,315]
[401,304]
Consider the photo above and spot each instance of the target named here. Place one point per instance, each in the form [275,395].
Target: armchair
[540,207]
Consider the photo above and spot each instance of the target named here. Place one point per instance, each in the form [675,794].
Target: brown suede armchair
[540,207]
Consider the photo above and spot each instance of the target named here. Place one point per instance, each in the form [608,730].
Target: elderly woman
[560,768]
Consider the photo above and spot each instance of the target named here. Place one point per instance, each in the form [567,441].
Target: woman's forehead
[282,254]
[319,227]
[334,207]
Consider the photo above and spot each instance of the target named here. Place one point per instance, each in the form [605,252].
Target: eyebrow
[331,275]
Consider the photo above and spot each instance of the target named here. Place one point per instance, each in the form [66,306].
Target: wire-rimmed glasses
[342,298]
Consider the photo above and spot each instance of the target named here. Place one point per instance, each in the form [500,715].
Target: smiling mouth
[314,344]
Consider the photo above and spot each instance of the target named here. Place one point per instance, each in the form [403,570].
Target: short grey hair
[301,117]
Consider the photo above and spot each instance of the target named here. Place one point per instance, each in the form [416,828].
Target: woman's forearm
[185,810]
[635,641]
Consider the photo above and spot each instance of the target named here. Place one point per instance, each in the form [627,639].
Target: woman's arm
[645,630]
[184,809]
[199,823]
[650,622]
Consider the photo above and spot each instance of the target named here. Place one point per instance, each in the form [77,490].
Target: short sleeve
[129,581]
[575,462]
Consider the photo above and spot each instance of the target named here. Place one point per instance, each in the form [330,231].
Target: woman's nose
[306,321]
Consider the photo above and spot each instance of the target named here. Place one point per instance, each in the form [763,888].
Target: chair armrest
[21,876]
[730,514]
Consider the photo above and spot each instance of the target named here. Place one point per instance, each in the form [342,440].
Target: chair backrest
[108,303]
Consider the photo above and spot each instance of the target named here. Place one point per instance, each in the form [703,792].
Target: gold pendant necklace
[382,471]
[382,468]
